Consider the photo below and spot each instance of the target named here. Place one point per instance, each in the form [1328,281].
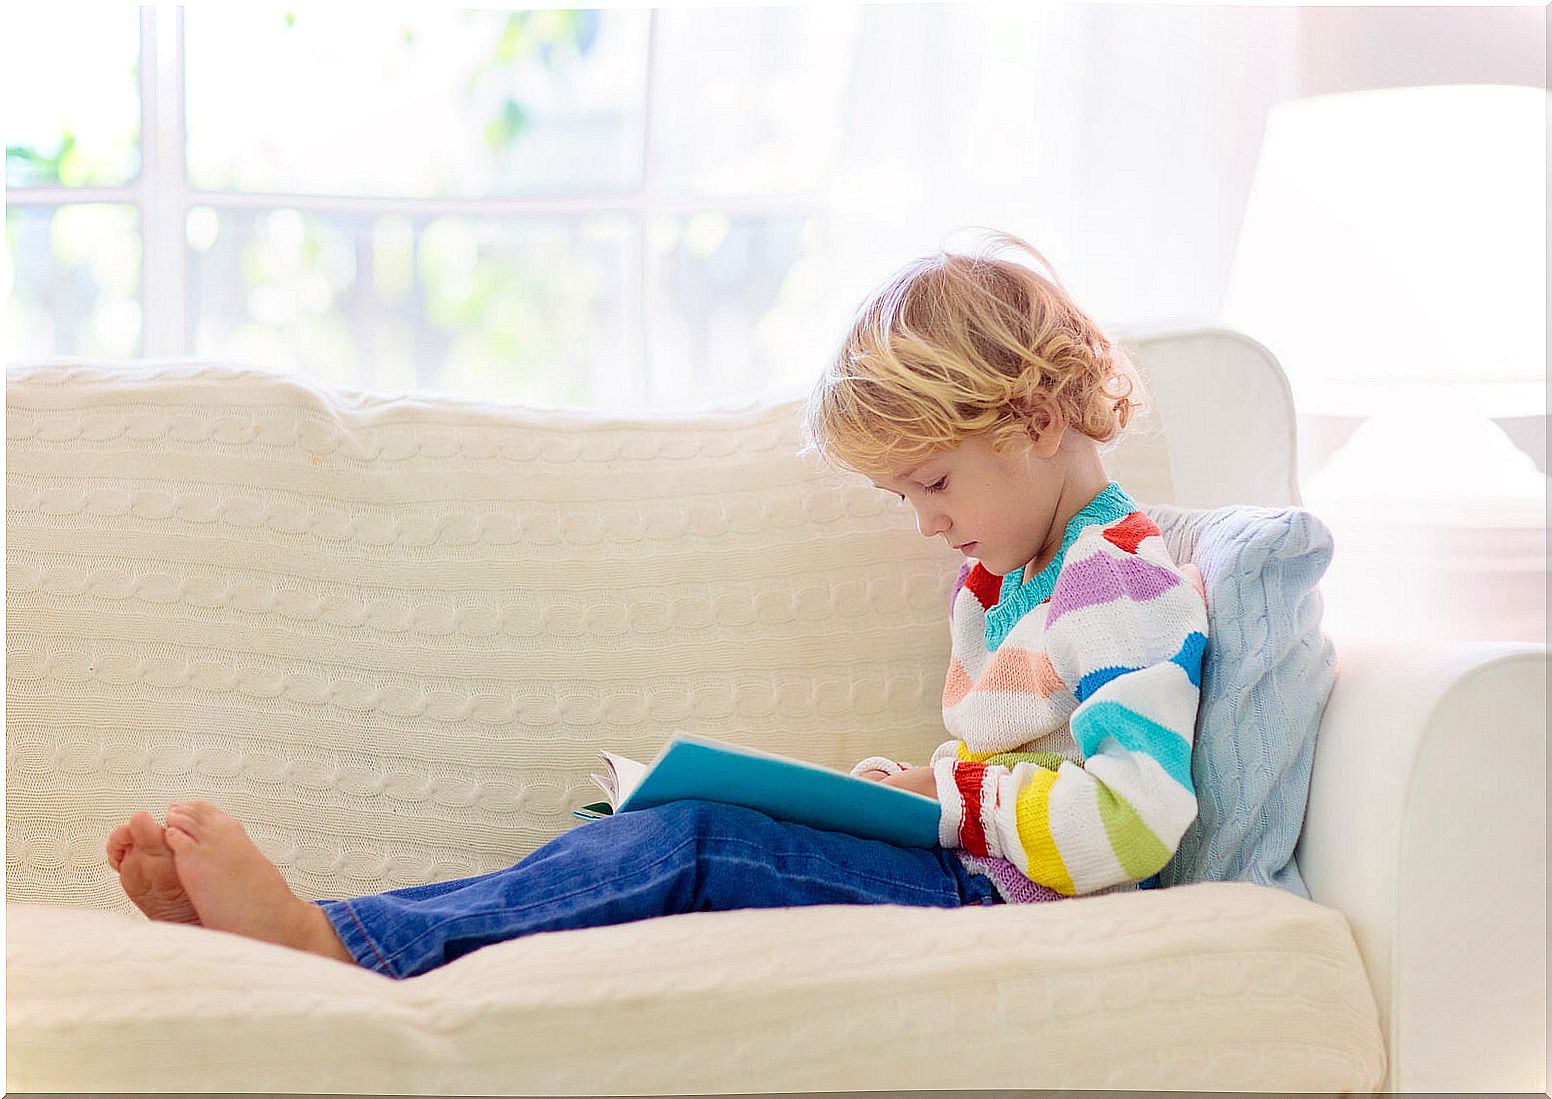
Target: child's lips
[966,548]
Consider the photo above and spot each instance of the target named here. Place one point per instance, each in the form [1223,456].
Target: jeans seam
[387,967]
[831,863]
[399,953]
[693,841]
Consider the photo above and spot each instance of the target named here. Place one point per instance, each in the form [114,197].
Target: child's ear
[1045,425]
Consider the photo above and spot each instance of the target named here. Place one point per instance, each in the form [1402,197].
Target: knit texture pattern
[1268,674]
[1073,699]
[391,632]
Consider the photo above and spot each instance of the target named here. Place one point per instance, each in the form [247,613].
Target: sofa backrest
[391,633]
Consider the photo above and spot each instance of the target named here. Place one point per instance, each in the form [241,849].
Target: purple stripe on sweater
[964,571]
[1104,579]
[1013,887]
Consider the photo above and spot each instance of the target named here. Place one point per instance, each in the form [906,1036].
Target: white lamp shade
[1398,237]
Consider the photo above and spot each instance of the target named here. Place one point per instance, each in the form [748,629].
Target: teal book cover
[786,789]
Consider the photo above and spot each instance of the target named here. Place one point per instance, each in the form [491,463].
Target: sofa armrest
[1426,826]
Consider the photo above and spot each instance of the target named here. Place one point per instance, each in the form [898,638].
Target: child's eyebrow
[905,475]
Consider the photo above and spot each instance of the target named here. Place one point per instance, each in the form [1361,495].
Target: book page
[627,775]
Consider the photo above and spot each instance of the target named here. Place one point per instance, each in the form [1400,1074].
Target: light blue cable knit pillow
[1266,675]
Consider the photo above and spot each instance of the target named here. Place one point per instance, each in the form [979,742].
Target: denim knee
[697,818]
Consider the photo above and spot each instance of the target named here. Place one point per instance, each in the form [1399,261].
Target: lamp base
[1426,570]
[1440,528]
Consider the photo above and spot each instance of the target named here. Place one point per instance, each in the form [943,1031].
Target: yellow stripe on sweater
[1049,760]
[1033,813]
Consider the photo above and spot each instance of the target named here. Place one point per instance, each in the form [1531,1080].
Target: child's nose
[930,524]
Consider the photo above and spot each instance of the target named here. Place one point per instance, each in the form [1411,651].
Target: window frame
[163,196]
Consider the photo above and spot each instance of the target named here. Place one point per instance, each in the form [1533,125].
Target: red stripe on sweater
[1130,531]
[986,585]
[969,777]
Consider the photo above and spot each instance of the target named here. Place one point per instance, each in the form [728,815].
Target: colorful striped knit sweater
[1073,702]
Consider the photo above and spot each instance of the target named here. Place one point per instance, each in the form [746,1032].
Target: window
[78,290]
[517,204]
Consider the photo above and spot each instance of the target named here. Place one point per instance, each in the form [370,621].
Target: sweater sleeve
[1133,661]
[894,766]
[878,763]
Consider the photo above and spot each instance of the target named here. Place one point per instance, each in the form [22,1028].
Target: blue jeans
[686,856]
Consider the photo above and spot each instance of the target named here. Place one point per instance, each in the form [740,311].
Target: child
[974,388]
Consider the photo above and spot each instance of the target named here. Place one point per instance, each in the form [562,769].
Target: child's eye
[939,484]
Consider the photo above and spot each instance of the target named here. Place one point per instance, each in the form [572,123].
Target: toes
[177,839]
[206,823]
[204,815]
[119,842]
[147,833]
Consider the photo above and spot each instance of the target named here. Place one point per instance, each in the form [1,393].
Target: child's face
[1005,510]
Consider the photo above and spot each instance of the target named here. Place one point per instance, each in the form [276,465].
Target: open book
[786,789]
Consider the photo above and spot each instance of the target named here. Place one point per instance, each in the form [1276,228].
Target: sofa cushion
[1266,675]
[391,632]
[1216,986]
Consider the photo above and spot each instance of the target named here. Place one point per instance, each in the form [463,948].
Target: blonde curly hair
[954,345]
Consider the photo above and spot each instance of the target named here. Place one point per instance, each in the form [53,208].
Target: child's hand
[919,780]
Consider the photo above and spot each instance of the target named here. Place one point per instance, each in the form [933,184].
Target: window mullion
[641,240]
[65,196]
[163,183]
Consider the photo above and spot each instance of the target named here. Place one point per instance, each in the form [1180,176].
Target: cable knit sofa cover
[391,632]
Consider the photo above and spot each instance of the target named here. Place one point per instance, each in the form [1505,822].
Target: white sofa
[391,632]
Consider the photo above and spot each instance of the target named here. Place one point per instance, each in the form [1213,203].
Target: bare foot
[233,887]
[139,854]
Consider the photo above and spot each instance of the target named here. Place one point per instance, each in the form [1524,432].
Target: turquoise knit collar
[1015,599]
